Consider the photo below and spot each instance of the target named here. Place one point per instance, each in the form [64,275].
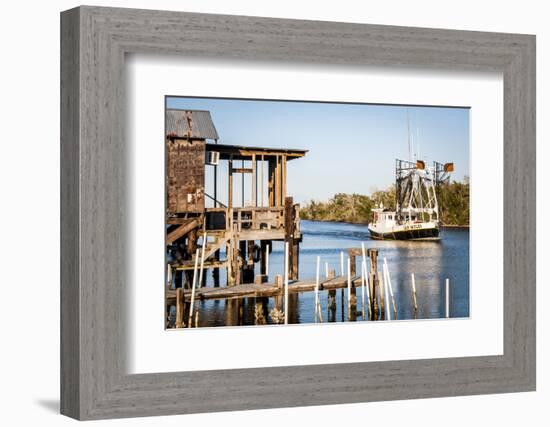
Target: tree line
[453,198]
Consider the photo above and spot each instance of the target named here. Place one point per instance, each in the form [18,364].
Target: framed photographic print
[290,213]
[231,218]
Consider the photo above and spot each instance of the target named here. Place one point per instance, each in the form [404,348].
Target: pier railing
[254,218]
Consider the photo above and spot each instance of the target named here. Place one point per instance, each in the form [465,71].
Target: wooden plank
[188,265]
[265,289]
[177,221]
[278,234]
[181,231]
[242,170]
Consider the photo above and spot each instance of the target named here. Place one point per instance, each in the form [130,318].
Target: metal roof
[190,124]
[243,152]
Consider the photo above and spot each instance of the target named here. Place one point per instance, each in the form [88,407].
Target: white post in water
[286,283]
[363,288]
[193,288]
[414,292]
[364,266]
[387,300]
[389,285]
[267,260]
[364,253]
[342,264]
[326,270]
[317,289]
[447,298]
[202,259]
[349,285]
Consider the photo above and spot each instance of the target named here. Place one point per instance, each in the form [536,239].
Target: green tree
[454,204]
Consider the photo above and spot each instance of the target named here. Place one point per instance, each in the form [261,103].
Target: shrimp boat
[416,216]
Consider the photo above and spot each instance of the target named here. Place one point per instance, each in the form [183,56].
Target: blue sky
[352,147]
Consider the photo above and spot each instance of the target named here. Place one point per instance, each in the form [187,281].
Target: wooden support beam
[242,170]
[271,182]
[242,184]
[278,201]
[262,181]
[283,178]
[353,263]
[181,230]
[180,308]
[230,184]
[374,282]
[254,182]
[215,186]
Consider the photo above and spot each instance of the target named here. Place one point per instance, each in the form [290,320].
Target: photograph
[286,212]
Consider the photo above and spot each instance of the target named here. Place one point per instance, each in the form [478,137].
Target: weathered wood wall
[185,175]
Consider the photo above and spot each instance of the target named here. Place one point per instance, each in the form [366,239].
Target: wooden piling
[316,311]
[331,299]
[279,283]
[286,283]
[447,311]
[353,262]
[374,283]
[260,278]
[353,291]
[216,271]
[290,230]
[180,308]
[168,319]
[349,290]
[259,312]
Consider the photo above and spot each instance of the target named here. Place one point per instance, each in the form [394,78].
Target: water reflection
[431,263]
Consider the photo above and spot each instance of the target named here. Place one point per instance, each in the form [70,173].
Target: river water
[431,263]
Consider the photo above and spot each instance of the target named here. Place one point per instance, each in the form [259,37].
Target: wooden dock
[373,308]
[263,290]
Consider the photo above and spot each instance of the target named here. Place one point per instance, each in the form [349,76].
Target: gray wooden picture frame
[94,41]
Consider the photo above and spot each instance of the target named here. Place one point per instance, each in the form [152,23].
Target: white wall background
[29,209]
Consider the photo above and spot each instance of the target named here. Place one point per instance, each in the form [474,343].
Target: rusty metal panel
[185,176]
[190,124]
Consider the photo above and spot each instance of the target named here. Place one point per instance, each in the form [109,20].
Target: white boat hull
[411,231]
